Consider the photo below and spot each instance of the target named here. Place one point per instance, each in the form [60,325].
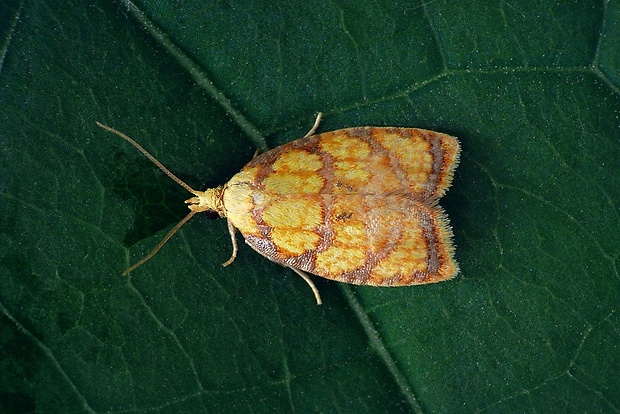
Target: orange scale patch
[348,232]
[409,256]
[338,260]
[297,160]
[294,172]
[294,243]
[293,183]
[294,213]
[352,172]
[414,156]
[342,146]
[293,224]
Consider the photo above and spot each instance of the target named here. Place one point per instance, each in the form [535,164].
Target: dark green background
[531,324]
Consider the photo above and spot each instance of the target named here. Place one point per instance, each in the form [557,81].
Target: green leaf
[531,323]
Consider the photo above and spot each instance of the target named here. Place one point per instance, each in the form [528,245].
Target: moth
[356,205]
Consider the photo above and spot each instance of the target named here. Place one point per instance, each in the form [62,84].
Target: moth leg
[311,284]
[317,121]
[231,231]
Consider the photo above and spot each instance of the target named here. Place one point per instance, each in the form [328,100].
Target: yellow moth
[356,205]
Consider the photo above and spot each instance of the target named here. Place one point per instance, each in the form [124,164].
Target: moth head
[209,201]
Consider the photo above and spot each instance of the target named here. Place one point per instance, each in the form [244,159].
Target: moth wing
[365,240]
[369,160]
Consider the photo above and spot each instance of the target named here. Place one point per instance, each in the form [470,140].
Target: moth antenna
[169,174]
[160,245]
[149,156]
